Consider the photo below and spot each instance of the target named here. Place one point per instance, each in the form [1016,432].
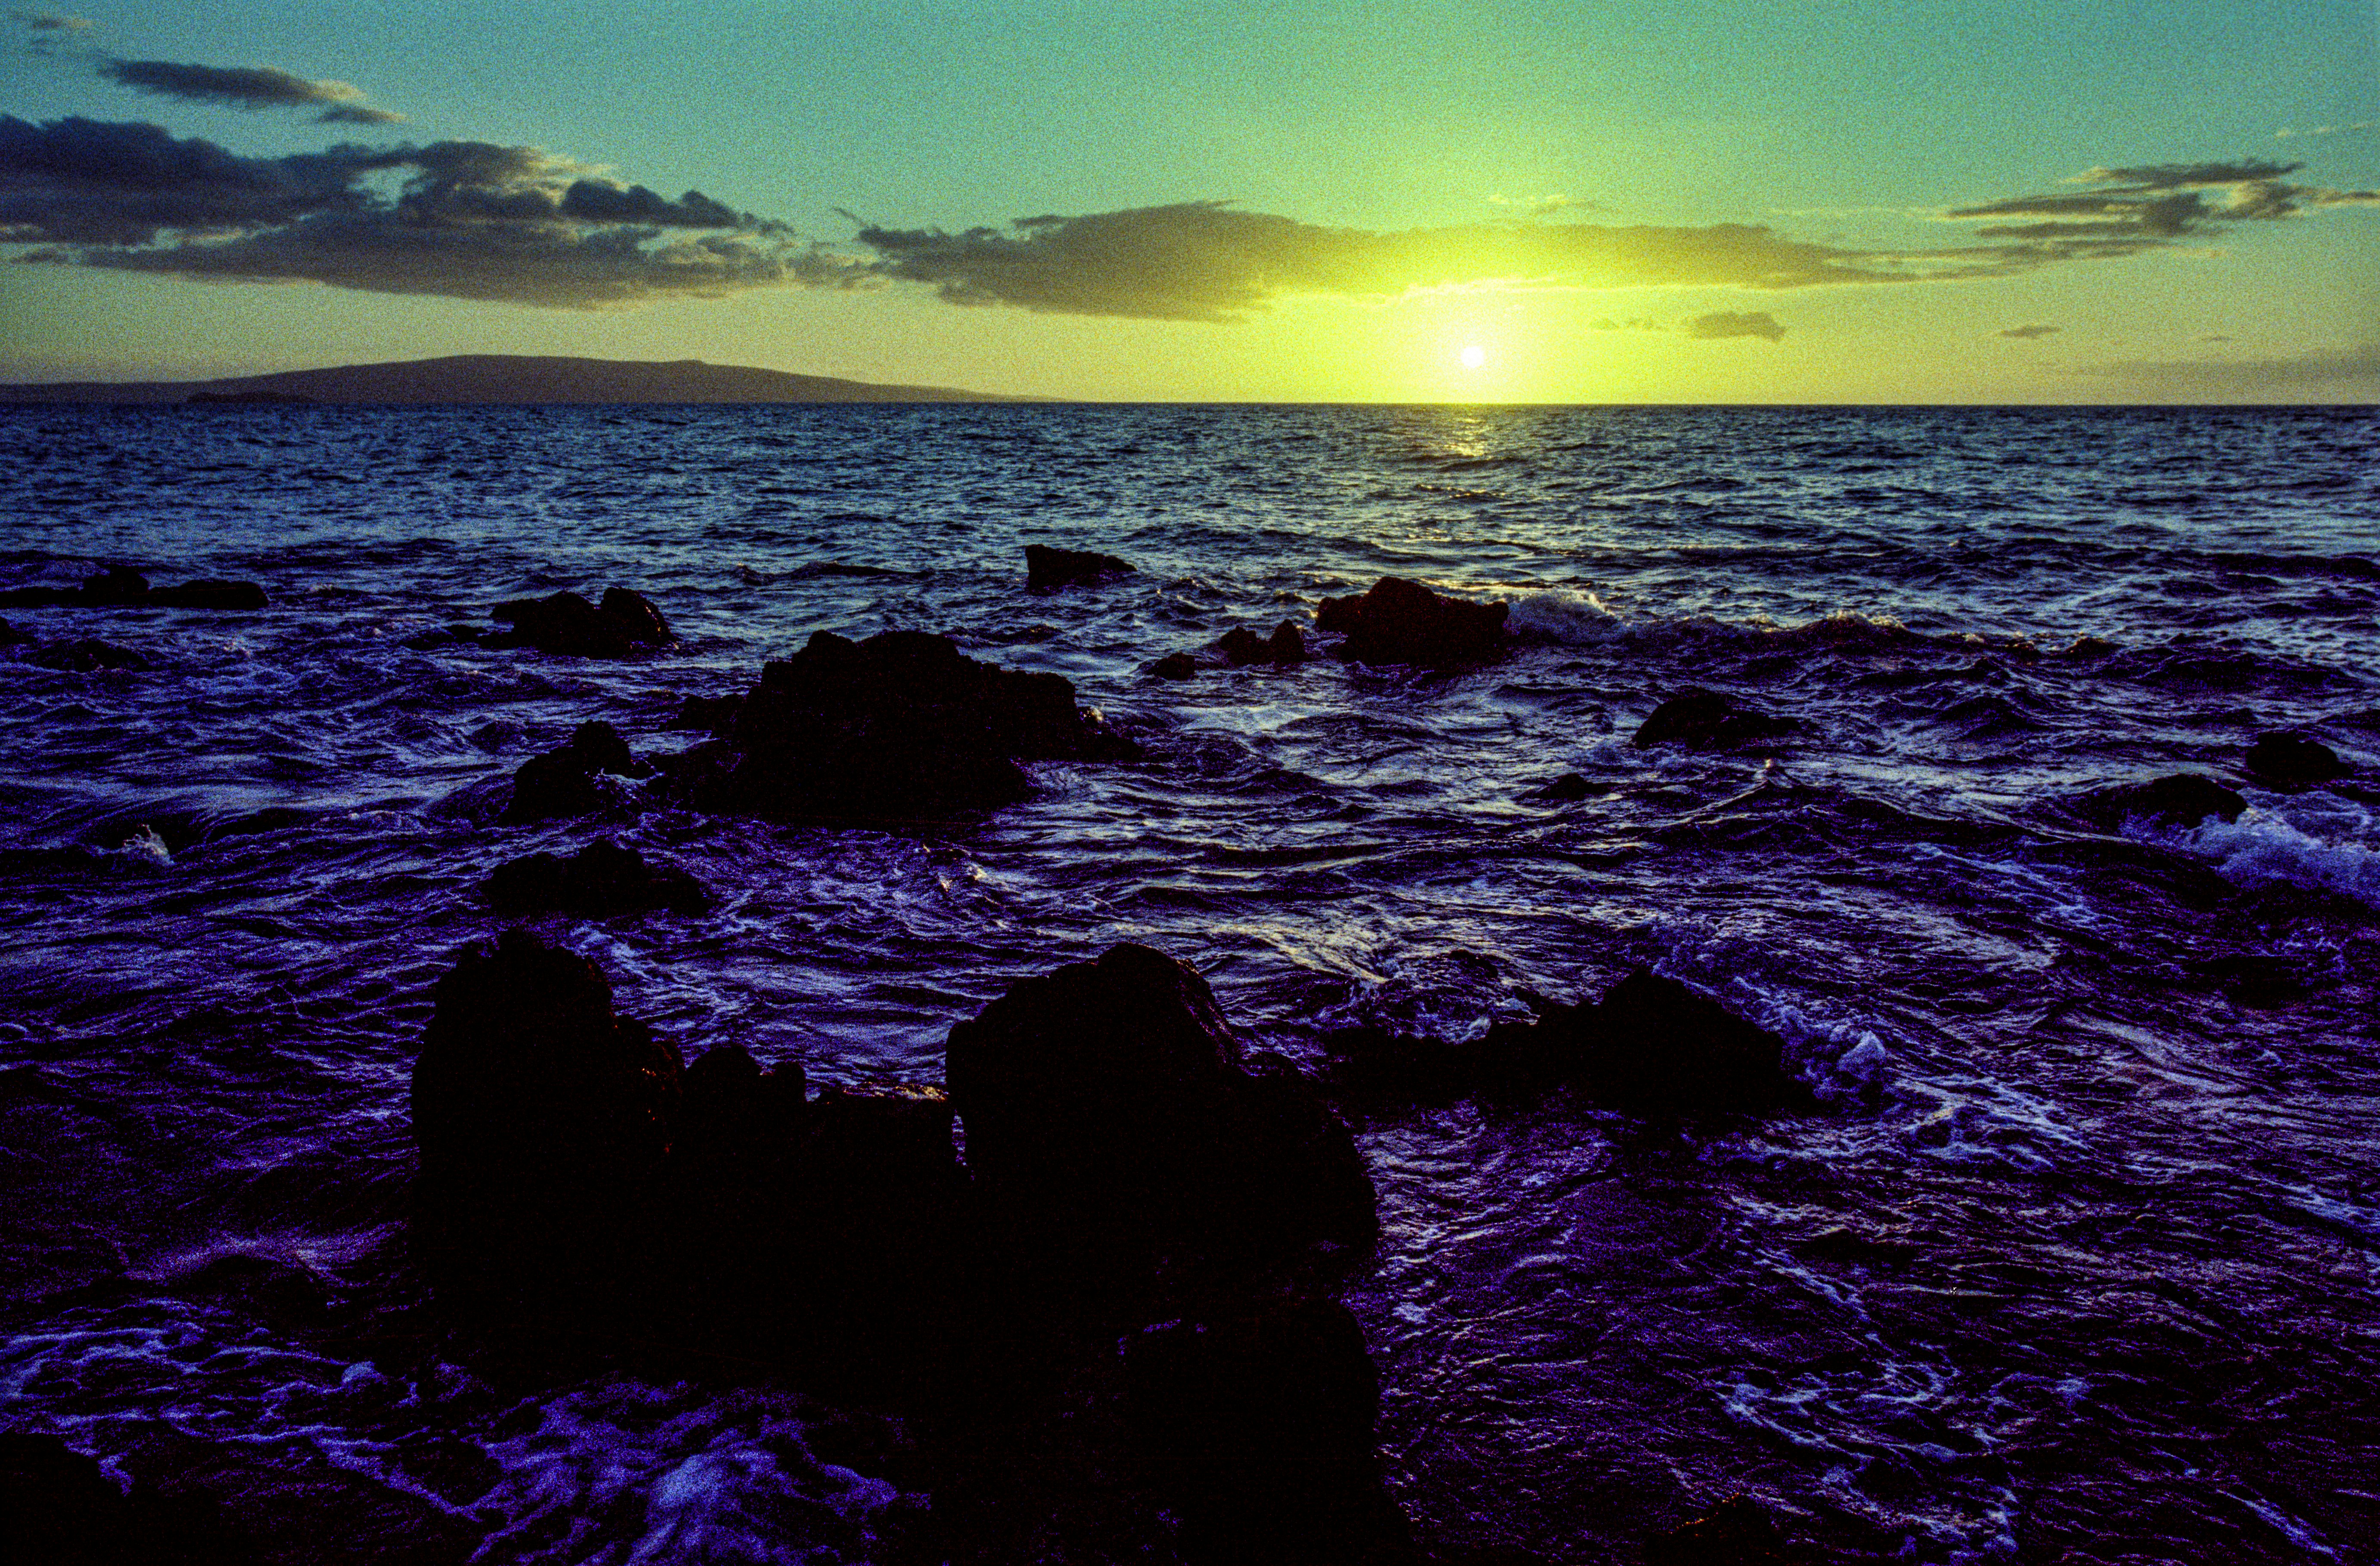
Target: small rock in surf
[1402,622]
[1708,719]
[1047,567]
[623,625]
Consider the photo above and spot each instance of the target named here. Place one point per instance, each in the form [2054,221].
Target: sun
[1473,356]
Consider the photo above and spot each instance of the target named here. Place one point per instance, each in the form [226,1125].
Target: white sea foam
[2318,841]
[1564,618]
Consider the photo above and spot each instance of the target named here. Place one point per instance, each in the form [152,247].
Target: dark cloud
[52,21]
[2026,334]
[466,219]
[2355,372]
[245,86]
[2136,209]
[1729,324]
[358,114]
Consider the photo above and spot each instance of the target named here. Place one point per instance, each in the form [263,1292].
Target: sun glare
[1474,356]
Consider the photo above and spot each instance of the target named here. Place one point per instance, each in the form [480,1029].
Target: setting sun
[1474,356]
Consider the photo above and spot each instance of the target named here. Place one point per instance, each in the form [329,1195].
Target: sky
[1399,201]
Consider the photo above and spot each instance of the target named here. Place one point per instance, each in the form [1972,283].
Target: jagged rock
[1286,646]
[1650,1046]
[540,1112]
[2183,799]
[900,725]
[1257,1426]
[1402,622]
[1047,567]
[1566,789]
[1108,1103]
[1736,1532]
[626,623]
[2293,759]
[84,656]
[209,592]
[1708,718]
[563,781]
[1175,666]
[602,880]
[706,714]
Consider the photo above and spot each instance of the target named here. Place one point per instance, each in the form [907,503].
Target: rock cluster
[120,587]
[1402,622]
[1283,648]
[623,625]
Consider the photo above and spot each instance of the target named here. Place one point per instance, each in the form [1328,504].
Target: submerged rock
[10,635]
[1566,789]
[1175,666]
[563,781]
[1283,648]
[1108,1104]
[1651,1046]
[1402,622]
[2184,799]
[2291,759]
[1707,718]
[1047,567]
[209,593]
[900,725]
[120,587]
[85,656]
[602,880]
[539,1114]
[623,625]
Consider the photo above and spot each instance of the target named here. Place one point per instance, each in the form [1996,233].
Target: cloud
[52,21]
[2285,133]
[2151,206]
[1728,323]
[2026,334]
[464,219]
[1633,324]
[2356,369]
[249,87]
[1541,206]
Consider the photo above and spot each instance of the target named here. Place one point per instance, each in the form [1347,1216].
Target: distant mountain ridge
[504,378]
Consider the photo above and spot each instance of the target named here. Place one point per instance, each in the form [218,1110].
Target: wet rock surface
[1402,622]
[900,725]
[2184,799]
[120,587]
[1712,719]
[569,780]
[2293,761]
[602,880]
[624,624]
[1047,567]
[1284,649]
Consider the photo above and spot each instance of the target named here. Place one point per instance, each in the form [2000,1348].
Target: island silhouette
[503,377]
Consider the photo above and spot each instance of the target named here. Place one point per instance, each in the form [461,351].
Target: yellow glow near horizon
[1473,356]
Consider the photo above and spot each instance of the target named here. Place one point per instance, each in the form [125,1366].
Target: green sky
[1783,199]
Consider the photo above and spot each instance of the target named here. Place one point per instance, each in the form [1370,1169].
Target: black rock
[1286,647]
[602,880]
[539,1114]
[2293,759]
[10,635]
[117,585]
[84,656]
[901,725]
[1047,567]
[1705,718]
[1256,1424]
[706,714]
[1402,622]
[625,624]
[1565,789]
[1108,1104]
[1175,666]
[209,593]
[563,783]
[1651,1046]
[2183,799]
[449,636]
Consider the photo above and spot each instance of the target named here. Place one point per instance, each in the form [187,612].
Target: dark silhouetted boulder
[564,782]
[1566,789]
[708,715]
[2183,800]
[625,624]
[1402,622]
[1175,666]
[902,725]
[540,1114]
[116,586]
[1256,1425]
[1107,1104]
[2293,761]
[85,656]
[1047,567]
[602,880]
[1709,718]
[1286,647]
[1651,1046]
[1736,1532]
[209,592]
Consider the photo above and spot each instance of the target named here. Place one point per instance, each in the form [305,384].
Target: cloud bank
[2027,333]
[2355,371]
[248,87]
[1729,324]
[464,219]
[2132,210]
[53,21]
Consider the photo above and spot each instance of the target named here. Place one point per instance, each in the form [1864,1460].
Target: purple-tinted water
[2080,1261]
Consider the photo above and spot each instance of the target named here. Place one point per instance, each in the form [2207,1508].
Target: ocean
[2077,1259]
